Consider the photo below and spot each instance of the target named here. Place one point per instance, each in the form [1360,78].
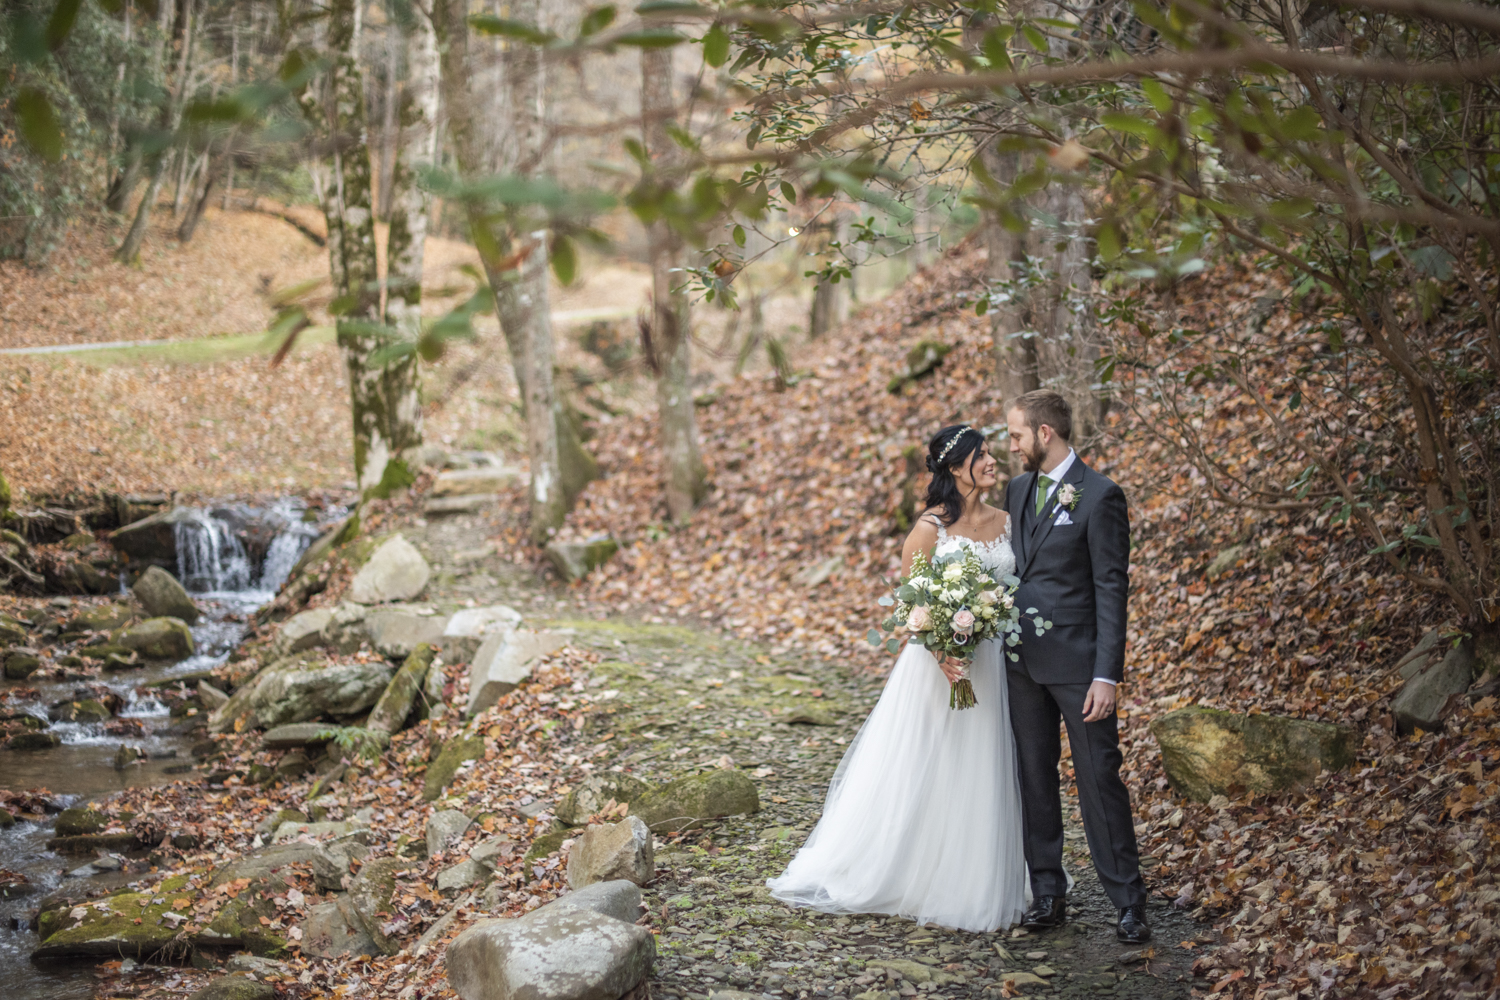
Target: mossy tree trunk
[520,288]
[384,402]
[685,477]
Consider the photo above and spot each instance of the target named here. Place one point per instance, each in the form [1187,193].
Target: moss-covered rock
[390,712]
[125,924]
[20,663]
[80,820]
[442,769]
[547,844]
[33,741]
[242,986]
[596,792]
[157,639]
[1207,752]
[86,710]
[686,803]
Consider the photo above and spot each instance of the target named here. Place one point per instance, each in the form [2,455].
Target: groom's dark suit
[1076,576]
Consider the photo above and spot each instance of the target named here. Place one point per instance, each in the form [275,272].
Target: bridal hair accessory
[949,605]
[953,441]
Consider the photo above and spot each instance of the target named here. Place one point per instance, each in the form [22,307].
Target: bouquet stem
[961,695]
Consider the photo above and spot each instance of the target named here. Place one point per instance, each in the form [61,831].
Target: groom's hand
[1099,702]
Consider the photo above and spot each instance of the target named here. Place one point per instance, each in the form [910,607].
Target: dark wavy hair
[942,492]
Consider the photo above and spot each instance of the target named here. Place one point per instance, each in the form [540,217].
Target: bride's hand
[952,668]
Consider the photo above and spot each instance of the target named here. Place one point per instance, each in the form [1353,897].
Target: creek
[228,583]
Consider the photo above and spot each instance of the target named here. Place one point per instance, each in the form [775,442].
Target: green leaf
[1036,38]
[60,25]
[788,192]
[739,236]
[892,646]
[1108,239]
[872,637]
[564,259]
[38,122]
[669,7]
[342,304]
[1133,124]
[596,20]
[489,24]
[1302,124]
[652,38]
[716,46]
[1156,94]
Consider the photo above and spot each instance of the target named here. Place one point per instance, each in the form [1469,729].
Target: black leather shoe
[1133,928]
[1046,913]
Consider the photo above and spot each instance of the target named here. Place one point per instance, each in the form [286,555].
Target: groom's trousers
[1035,710]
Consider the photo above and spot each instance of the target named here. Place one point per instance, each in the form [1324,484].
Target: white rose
[954,571]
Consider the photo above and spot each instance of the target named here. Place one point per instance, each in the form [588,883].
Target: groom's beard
[1031,461]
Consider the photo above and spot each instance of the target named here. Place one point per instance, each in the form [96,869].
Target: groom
[1071,536]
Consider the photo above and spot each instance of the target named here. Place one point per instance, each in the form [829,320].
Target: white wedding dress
[923,816]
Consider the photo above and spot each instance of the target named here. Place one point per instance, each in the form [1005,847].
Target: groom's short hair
[1043,406]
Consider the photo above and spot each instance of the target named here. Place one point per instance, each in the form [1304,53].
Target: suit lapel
[1043,527]
[1020,505]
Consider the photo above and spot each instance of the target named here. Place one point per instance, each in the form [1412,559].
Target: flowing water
[229,581]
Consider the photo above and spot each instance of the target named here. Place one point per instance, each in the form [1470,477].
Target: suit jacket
[1075,575]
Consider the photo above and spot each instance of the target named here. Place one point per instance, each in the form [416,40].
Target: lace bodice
[995,555]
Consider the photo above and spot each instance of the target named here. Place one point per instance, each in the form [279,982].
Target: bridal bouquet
[949,605]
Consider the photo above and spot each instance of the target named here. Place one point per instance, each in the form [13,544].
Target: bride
[923,817]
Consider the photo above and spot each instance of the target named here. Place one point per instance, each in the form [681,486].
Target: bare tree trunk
[199,202]
[1016,365]
[130,250]
[670,326]
[520,293]
[234,80]
[118,198]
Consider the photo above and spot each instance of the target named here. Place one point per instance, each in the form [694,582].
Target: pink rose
[963,621]
[920,619]
[988,597]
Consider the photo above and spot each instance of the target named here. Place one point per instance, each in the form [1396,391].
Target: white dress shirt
[1056,475]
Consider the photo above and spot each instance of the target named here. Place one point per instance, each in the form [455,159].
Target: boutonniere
[1068,495]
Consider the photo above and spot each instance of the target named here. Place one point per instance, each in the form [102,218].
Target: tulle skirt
[923,817]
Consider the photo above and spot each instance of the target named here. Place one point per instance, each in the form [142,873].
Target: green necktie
[1042,482]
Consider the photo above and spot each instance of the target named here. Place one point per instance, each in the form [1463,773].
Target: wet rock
[333,862]
[445,828]
[20,662]
[33,741]
[442,769]
[611,852]
[461,876]
[94,843]
[685,803]
[1430,695]
[104,618]
[86,711]
[299,691]
[1206,752]
[595,793]
[395,571]
[391,711]
[294,736]
[157,639]
[553,953]
[397,632]
[163,597]
[503,661]
[239,986]
[574,560]
[301,631]
[80,820]
[211,697]
[152,539]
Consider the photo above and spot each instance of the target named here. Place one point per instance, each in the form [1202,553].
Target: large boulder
[295,736]
[503,661]
[13,630]
[300,691]
[157,639]
[1207,752]
[333,863]
[390,712]
[396,631]
[127,924]
[685,804]
[613,851]
[20,662]
[163,597]
[333,929]
[556,952]
[466,631]
[596,792]
[1432,691]
[345,631]
[395,571]
[152,539]
[445,765]
[575,560]
[301,631]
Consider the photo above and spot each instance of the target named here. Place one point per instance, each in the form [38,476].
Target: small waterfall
[210,557]
[283,554]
